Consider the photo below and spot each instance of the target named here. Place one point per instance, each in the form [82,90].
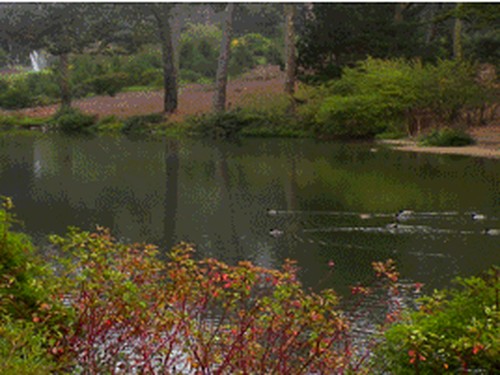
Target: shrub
[28,89]
[17,96]
[251,50]
[199,49]
[360,116]
[23,349]
[19,290]
[454,331]
[189,76]
[72,120]
[141,124]
[224,124]
[23,121]
[446,137]
[32,325]
[110,124]
[153,77]
[149,59]
[192,315]
[110,83]
[4,84]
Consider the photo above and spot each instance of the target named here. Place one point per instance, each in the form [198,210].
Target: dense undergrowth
[103,306]
[375,99]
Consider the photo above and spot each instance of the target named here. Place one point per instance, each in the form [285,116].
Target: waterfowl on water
[492,231]
[276,233]
[476,216]
[272,212]
[404,214]
[392,226]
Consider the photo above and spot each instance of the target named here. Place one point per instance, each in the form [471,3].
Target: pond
[265,200]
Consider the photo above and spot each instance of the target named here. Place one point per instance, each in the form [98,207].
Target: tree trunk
[457,35]
[219,103]
[162,14]
[290,49]
[398,12]
[175,25]
[64,80]
[431,26]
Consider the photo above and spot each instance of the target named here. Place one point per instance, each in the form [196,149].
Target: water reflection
[327,201]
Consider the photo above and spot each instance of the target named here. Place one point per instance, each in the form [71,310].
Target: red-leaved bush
[134,313]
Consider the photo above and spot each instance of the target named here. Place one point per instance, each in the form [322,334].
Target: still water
[266,200]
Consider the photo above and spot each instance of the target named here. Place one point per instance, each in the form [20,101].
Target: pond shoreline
[487,144]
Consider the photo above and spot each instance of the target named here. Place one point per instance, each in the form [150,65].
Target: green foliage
[222,124]
[110,83]
[142,124]
[446,137]
[109,124]
[23,121]
[251,50]
[190,76]
[454,331]
[391,135]
[72,120]
[140,67]
[356,116]
[392,95]
[199,49]
[16,96]
[32,324]
[20,291]
[28,89]
[152,77]
[23,349]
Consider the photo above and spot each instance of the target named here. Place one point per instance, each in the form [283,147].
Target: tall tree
[290,66]
[219,103]
[65,28]
[162,13]
[457,33]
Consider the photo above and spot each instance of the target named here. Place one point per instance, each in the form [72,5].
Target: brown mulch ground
[193,98]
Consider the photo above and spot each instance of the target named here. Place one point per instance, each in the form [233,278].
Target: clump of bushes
[32,322]
[397,96]
[72,120]
[109,124]
[453,331]
[110,83]
[446,137]
[141,124]
[222,124]
[28,89]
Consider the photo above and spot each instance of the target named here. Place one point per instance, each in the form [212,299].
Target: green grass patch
[391,135]
[140,88]
[23,121]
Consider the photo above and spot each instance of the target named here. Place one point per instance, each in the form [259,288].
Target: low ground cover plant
[72,120]
[446,137]
[454,331]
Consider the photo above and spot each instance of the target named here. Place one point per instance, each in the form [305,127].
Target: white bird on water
[276,233]
[476,216]
[492,231]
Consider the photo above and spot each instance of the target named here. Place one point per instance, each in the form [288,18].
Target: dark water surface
[325,201]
